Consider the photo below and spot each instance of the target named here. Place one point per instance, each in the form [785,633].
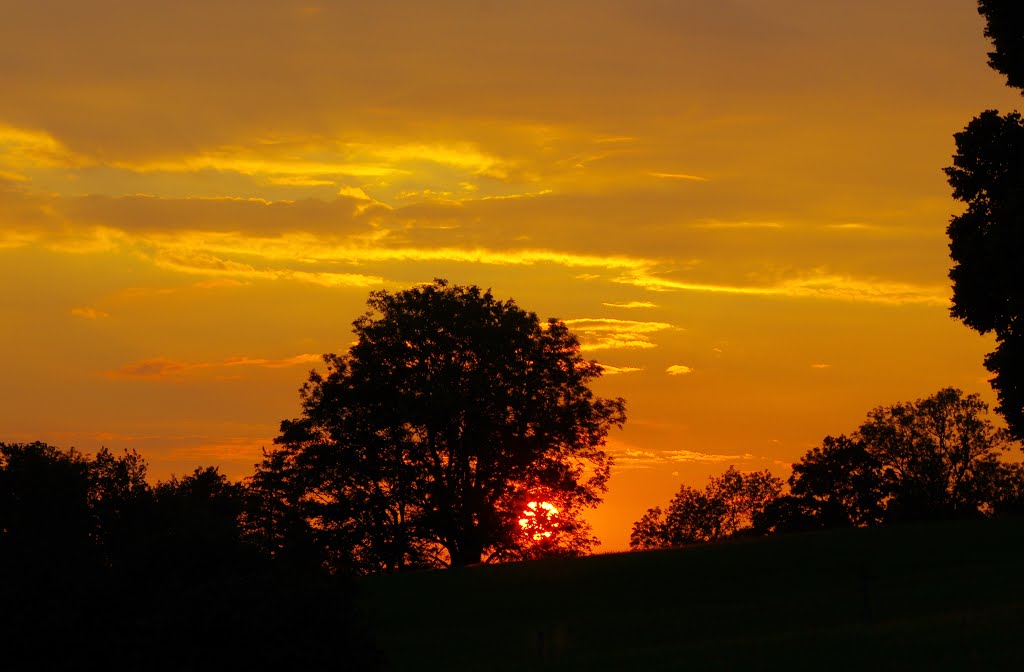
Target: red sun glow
[539,520]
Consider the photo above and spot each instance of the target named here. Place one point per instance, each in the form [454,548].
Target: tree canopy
[1004,25]
[936,457]
[987,240]
[987,244]
[936,454]
[839,484]
[423,444]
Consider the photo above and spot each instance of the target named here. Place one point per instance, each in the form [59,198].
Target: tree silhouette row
[931,459]
[102,568]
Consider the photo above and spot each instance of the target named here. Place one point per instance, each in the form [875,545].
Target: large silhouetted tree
[987,240]
[421,445]
[728,505]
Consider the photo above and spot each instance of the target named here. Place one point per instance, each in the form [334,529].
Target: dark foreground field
[932,596]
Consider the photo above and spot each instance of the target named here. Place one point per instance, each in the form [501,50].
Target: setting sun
[539,520]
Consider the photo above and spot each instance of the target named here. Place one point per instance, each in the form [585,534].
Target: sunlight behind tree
[539,521]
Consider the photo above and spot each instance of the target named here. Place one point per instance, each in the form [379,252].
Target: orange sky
[737,205]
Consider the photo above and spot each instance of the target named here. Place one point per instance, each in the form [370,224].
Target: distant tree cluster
[61,509]
[727,506]
[99,566]
[934,458]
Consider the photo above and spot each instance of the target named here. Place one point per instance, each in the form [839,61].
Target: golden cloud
[151,369]
[186,261]
[715,224]
[602,333]
[243,163]
[22,148]
[161,368]
[695,456]
[617,343]
[212,251]
[610,324]
[297,360]
[678,370]
[15,239]
[610,370]
[631,304]
[679,176]
[632,458]
[89,313]
[220,283]
[176,234]
[824,286]
[248,450]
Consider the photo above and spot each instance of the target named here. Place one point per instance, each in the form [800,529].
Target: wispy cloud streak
[602,333]
[158,368]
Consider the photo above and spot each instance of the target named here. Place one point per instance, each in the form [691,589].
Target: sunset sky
[738,206]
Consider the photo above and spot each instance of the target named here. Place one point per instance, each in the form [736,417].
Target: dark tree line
[727,506]
[934,458]
[101,568]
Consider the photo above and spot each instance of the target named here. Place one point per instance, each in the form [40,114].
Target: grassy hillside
[931,596]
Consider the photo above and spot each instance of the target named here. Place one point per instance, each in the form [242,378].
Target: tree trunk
[468,555]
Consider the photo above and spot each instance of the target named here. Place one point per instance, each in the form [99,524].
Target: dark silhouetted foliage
[46,526]
[693,516]
[1006,482]
[987,244]
[273,516]
[122,505]
[1005,27]
[935,454]
[649,531]
[840,484]
[422,444]
[932,458]
[195,530]
[729,505]
[987,240]
[787,513]
[101,571]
